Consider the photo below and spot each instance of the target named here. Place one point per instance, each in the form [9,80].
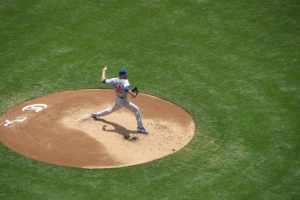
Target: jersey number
[118,89]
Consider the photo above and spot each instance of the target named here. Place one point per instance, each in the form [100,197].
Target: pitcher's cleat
[142,130]
[94,116]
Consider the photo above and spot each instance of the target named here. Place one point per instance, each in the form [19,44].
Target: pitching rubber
[84,117]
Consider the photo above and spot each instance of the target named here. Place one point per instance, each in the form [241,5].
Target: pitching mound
[48,129]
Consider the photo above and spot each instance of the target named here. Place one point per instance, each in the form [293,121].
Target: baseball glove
[135,90]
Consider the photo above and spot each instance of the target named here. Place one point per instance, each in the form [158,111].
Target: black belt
[121,97]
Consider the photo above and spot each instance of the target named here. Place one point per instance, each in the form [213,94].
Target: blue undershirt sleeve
[126,88]
[104,81]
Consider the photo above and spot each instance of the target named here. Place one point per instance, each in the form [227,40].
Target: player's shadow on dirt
[118,129]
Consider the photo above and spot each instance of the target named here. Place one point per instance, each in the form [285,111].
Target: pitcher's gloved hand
[135,91]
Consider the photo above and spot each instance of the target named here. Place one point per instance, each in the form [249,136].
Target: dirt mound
[55,135]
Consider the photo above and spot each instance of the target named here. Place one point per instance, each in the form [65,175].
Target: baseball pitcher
[121,86]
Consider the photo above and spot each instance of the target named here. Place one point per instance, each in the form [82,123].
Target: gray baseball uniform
[121,87]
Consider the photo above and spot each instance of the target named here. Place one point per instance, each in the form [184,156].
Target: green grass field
[233,65]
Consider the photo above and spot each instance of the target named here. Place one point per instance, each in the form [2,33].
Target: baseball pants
[119,103]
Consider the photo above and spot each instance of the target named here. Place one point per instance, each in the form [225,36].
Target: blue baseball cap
[123,72]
